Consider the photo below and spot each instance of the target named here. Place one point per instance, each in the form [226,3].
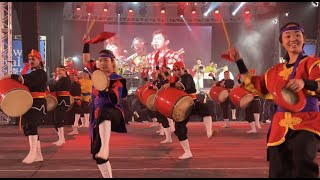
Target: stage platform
[138,154]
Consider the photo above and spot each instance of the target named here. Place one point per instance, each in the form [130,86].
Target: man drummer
[107,113]
[228,84]
[36,82]
[157,84]
[62,88]
[75,92]
[184,80]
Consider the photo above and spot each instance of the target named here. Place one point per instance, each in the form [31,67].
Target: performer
[162,55]
[252,111]
[165,125]
[293,139]
[198,69]
[36,82]
[86,91]
[75,91]
[62,89]
[228,84]
[221,74]
[202,109]
[138,60]
[212,68]
[107,114]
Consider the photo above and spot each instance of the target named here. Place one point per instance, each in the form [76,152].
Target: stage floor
[230,154]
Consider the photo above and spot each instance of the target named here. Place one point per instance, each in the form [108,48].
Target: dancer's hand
[295,85]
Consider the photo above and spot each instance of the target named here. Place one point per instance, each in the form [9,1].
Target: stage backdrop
[17,64]
[195,40]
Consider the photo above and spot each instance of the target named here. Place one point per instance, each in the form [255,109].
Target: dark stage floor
[232,153]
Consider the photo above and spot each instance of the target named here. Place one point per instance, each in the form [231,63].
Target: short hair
[164,34]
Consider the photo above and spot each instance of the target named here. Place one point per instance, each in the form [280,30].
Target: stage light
[193,10]
[78,7]
[247,11]
[163,10]
[119,9]
[275,21]
[130,10]
[216,11]
[315,4]
[286,14]
[105,9]
[89,8]
[180,9]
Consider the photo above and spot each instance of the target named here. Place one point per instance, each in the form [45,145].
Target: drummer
[107,114]
[161,79]
[62,89]
[252,111]
[75,92]
[36,82]
[294,136]
[227,83]
[184,80]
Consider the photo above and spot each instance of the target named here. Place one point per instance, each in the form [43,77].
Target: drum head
[287,99]
[223,96]
[16,102]
[52,102]
[99,80]
[151,102]
[245,101]
[182,109]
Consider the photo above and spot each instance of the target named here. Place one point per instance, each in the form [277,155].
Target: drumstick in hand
[91,25]
[225,32]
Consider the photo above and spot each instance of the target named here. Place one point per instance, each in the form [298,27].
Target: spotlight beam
[236,10]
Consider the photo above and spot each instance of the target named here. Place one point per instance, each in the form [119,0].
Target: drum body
[148,98]
[140,90]
[218,94]
[240,97]
[100,80]
[52,100]
[15,99]
[174,103]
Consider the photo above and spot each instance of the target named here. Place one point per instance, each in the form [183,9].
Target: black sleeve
[36,81]
[189,85]
[86,48]
[310,85]
[241,66]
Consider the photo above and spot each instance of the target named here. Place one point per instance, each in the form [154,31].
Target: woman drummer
[107,113]
[293,140]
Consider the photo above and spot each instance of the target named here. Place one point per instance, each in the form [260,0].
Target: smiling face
[292,41]
[159,42]
[106,64]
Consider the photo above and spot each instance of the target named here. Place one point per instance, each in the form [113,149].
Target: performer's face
[73,77]
[292,41]
[106,64]
[138,46]
[85,75]
[226,75]
[179,71]
[61,72]
[198,61]
[34,62]
[158,42]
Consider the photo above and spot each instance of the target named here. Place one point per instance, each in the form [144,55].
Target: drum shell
[52,100]
[15,99]
[167,101]
[218,94]
[140,90]
[240,97]
[148,98]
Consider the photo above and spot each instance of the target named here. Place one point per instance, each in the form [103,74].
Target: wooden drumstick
[91,25]
[226,32]
[20,123]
